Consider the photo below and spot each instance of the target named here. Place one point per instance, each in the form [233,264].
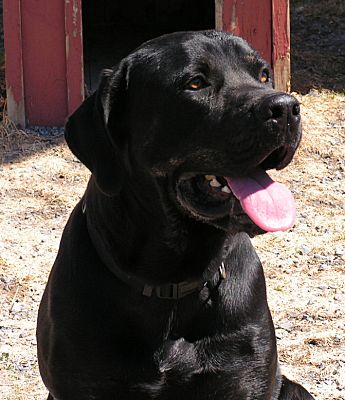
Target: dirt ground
[40,181]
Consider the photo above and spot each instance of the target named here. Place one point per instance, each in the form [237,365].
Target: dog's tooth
[209,177]
[215,183]
[225,189]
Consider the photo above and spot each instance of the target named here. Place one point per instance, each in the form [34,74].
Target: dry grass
[38,187]
[16,143]
[324,119]
[305,266]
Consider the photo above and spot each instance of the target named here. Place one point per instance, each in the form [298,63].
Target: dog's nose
[281,107]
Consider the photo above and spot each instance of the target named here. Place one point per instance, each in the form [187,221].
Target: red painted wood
[281,29]
[74,54]
[281,43]
[44,61]
[14,67]
[252,20]
[44,51]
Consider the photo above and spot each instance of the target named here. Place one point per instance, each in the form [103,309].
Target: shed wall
[44,60]
[44,49]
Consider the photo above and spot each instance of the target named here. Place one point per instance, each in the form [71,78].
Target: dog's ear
[95,131]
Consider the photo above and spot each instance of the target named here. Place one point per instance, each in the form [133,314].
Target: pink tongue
[268,204]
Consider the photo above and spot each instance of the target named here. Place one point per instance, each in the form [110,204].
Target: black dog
[157,292]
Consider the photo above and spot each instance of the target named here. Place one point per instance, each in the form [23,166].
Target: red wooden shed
[55,49]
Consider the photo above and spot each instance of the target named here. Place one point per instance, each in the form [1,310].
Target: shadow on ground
[16,144]
[317,45]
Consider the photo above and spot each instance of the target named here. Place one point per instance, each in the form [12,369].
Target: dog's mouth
[249,198]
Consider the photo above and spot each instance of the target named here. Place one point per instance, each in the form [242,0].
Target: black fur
[146,135]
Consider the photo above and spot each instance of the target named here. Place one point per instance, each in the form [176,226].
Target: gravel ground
[40,181]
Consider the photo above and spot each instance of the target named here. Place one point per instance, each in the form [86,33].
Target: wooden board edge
[14,62]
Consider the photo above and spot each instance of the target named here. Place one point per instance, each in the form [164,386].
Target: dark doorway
[111,29]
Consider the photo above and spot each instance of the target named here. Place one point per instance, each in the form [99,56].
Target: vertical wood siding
[74,54]
[14,61]
[281,44]
[44,51]
[44,60]
[265,25]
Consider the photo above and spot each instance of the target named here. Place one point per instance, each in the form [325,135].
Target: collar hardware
[176,291]
[173,291]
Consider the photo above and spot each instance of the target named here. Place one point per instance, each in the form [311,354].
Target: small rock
[314,93]
[16,308]
[304,249]
[287,326]
[323,267]
[337,175]
[22,366]
[307,317]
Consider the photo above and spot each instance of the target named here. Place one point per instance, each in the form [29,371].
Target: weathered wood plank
[266,26]
[252,21]
[281,44]
[44,61]
[14,61]
[74,54]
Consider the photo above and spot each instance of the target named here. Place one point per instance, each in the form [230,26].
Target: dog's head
[193,117]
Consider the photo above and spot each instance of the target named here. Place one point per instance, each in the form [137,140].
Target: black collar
[168,291]
[176,291]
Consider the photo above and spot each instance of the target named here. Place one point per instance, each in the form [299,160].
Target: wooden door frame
[14,61]
[74,54]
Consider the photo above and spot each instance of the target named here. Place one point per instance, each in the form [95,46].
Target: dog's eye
[264,76]
[196,83]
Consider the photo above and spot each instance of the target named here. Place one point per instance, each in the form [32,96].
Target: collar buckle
[176,291]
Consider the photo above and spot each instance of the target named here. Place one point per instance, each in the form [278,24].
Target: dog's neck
[140,247]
